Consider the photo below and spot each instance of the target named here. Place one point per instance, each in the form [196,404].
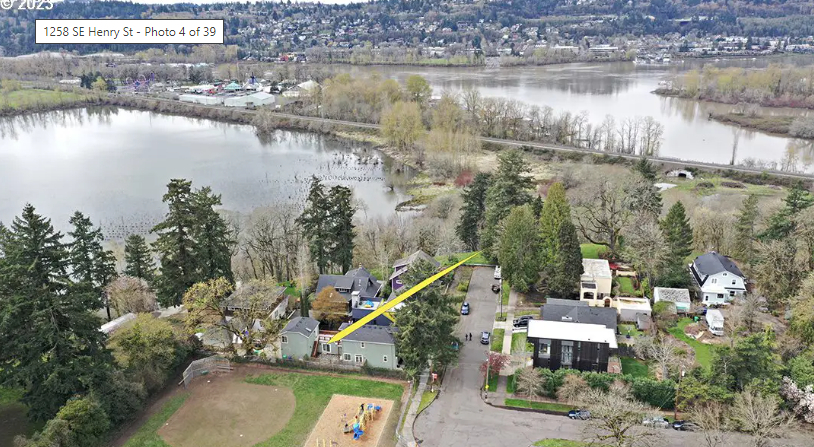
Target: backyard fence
[214,364]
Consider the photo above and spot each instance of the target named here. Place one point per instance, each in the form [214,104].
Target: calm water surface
[624,90]
[114,166]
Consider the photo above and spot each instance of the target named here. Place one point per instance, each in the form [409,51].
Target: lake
[114,164]
[624,90]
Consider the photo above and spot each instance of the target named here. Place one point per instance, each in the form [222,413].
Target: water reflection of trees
[798,158]
[12,127]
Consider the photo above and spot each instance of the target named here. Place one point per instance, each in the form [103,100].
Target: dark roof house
[356,280]
[573,311]
[371,334]
[713,263]
[301,325]
[401,266]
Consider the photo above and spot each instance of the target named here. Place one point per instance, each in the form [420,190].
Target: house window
[720,295]
[724,274]
[384,358]
[731,293]
[326,348]
[363,345]
[545,348]
[346,357]
[284,339]
[567,353]
[715,280]
[359,358]
[733,282]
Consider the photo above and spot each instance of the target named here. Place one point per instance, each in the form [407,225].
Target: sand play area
[341,409]
[225,411]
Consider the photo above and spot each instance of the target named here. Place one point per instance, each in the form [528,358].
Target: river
[114,164]
[624,90]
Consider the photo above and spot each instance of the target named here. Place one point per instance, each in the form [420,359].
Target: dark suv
[523,321]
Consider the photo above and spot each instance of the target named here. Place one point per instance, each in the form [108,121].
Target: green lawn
[479,259]
[146,435]
[500,316]
[510,384]
[634,367]
[549,406]
[34,99]
[505,289]
[426,399]
[520,313]
[312,394]
[624,329]
[560,443]
[492,381]
[626,286]
[592,251]
[497,340]
[518,342]
[703,352]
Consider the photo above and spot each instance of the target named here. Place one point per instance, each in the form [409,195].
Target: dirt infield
[344,408]
[225,411]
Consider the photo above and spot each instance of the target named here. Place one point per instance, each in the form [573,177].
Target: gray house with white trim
[299,337]
[375,345]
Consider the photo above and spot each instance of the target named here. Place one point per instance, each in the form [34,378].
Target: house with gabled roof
[298,339]
[718,278]
[371,345]
[401,266]
[361,289]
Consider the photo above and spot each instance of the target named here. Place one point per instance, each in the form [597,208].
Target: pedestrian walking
[470,336]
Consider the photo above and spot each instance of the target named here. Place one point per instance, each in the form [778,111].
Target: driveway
[460,418]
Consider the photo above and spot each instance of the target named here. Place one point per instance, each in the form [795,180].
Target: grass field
[548,406]
[510,384]
[426,399]
[35,99]
[560,443]
[634,367]
[626,286]
[13,417]
[703,352]
[492,381]
[497,340]
[505,289]
[520,313]
[313,393]
[479,259]
[518,342]
[9,396]
[147,434]
[592,251]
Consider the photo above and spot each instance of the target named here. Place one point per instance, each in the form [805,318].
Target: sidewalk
[507,335]
[406,437]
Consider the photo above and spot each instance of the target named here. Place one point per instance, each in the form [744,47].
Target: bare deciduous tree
[528,381]
[573,386]
[711,419]
[616,419]
[131,294]
[665,352]
[759,415]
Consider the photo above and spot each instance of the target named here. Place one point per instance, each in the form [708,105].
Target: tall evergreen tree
[212,249]
[426,324]
[92,267]
[341,229]
[678,238]
[509,188]
[175,244]
[646,169]
[564,280]
[745,230]
[519,248]
[537,207]
[472,213]
[556,212]
[782,224]
[138,258]
[51,343]
[315,225]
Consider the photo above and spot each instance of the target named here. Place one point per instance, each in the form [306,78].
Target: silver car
[656,421]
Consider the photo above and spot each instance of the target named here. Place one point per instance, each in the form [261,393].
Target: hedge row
[653,392]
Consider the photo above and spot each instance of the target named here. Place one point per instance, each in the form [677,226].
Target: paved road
[460,418]
[515,143]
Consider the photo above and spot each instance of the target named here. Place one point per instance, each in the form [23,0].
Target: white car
[497,273]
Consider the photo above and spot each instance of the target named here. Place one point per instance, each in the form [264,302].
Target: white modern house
[679,297]
[596,282]
[718,278]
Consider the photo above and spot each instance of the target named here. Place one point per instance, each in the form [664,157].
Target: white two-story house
[718,278]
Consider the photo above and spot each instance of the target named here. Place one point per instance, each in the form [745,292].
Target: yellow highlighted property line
[390,304]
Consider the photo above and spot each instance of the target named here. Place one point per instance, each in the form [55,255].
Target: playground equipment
[365,414]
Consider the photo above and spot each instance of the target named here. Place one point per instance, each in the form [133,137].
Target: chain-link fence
[214,364]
